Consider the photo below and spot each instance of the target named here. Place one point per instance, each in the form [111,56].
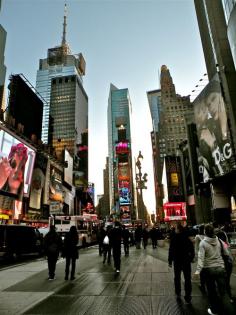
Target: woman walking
[70,252]
[211,262]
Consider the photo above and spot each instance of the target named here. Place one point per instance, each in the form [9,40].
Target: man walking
[115,238]
[181,252]
[125,236]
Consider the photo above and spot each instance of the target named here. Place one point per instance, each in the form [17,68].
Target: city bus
[87,226]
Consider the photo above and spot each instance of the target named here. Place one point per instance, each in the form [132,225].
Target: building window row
[63,80]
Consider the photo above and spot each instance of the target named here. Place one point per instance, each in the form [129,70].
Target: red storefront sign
[175,211]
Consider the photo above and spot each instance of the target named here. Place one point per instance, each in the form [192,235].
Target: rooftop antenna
[64,26]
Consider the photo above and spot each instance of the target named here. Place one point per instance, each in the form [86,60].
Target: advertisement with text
[215,149]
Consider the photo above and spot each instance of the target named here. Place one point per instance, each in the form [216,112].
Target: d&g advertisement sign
[215,150]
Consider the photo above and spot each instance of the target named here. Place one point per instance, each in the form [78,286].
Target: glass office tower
[58,69]
[120,153]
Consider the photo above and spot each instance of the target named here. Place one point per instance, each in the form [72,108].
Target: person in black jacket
[115,238]
[181,252]
[52,247]
[153,235]
[125,236]
[70,252]
[107,246]
[145,235]
[100,237]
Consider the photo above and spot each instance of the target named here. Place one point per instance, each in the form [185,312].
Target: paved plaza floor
[144,286]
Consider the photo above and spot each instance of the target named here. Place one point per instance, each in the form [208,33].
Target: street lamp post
[141,179]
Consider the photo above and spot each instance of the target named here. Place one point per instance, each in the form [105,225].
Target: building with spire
[60,82]
[65,114]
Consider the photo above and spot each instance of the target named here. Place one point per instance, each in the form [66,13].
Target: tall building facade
[120,153]
[60,82]
[3,35]
[216,21]
[106,188]
[172,130]
[169,131]
[103,207]
[65,113]
[154,101]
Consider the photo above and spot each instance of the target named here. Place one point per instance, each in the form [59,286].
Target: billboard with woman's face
[215,150]
[16,165]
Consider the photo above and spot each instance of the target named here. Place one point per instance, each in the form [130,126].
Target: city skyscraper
[120,153]
[173,107]
[167,110]
[59,81]
[154,100]
[65,113]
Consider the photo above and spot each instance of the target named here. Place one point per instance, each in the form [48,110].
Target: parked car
[17,240]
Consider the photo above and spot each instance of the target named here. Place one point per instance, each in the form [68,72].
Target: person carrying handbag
[210,260]
[228,260]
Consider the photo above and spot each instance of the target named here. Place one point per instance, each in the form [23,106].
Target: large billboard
[215,149]
[174,178]
[174,211]
[16,165]
[68,170]
[122,147]
[123,171]
[38,182]
[124,193]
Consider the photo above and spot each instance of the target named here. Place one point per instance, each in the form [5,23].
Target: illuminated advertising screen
[125,213]
[38,181]
[16,165]
[175,211]
[174,179]
[215,149]
[122,147]
[91,190]
[68,170]
[124,193]
[55,187]
[124,196]
[123,171]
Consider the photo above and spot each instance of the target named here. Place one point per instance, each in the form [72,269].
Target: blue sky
[124,42]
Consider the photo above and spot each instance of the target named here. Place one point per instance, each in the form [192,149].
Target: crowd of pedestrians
[209,248]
